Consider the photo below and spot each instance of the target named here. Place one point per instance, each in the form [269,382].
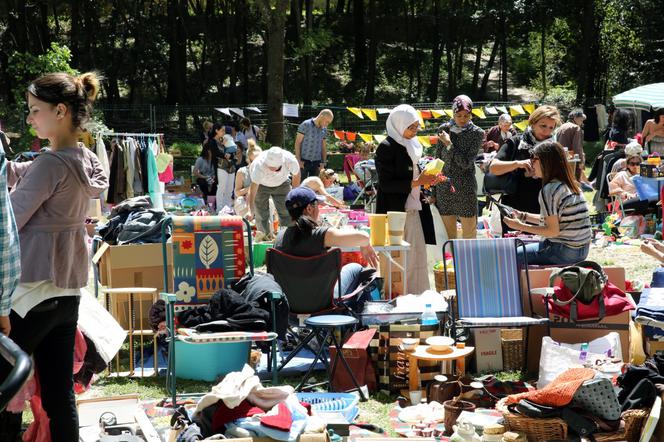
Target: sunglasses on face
[632,163]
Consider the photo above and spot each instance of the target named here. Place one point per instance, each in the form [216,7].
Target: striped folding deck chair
[488,284]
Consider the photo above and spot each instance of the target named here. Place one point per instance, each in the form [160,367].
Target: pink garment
[39,430]
[622,185]
[350,160]
[167,175]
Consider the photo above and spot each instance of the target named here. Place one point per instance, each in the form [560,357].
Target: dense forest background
[198,53]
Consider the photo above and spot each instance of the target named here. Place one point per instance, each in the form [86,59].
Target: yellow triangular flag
[419,114]
[449,113]
[365,137]
[371,113]
[424,140]
[529,108]
[356,110]
[479,112]
[379,138]
[437,113]
[521,125]
[502,109]
[516,109]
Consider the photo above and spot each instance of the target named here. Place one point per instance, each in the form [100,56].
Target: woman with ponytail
[306,238]
[50,198]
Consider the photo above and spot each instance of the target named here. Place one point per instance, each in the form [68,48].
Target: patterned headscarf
[462,102]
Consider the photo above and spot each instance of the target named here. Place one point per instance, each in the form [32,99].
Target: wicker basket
[512,342]
[556,429]
[439,276]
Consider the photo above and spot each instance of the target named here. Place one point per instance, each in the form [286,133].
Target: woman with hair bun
[50,198]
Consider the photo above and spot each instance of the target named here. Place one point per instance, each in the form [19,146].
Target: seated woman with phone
[563,221]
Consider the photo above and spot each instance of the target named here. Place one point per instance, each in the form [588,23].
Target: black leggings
[206,189]
[48,333]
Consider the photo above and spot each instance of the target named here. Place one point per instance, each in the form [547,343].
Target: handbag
[598,397]
[506,184]
[586,280]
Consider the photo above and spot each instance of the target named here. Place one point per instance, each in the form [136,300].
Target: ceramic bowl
[440,343]
[409,344]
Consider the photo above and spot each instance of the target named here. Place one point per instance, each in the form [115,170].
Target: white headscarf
[400,118]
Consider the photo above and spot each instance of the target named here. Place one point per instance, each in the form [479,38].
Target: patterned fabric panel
[208,254]
[513,321]
[205,338]
[487,278]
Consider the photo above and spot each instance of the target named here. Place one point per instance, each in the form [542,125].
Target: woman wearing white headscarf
[399,189]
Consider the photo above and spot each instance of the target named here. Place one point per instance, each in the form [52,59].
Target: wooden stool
[141,332]
[422,352]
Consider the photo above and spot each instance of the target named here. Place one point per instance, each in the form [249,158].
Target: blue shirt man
[310,143]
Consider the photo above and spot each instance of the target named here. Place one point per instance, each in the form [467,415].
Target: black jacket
[395,173]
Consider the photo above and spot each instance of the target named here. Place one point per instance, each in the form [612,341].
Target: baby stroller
[22,368]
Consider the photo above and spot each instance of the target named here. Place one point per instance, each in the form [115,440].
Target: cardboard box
[653,346]
[356,353]
[305,437]
[488,349]
[396,274]
[132,265]
[561,329]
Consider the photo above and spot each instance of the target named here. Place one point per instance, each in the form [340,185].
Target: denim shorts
[548,252]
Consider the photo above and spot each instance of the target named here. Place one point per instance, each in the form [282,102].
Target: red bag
[615,302]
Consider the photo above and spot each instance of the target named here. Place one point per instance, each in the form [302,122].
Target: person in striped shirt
[563,221]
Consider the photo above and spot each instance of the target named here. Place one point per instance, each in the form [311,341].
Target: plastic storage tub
[206,362]
[342,403]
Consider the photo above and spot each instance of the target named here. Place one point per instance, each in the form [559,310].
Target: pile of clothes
[239,406]
[582,397]
[134,221]
[641,384]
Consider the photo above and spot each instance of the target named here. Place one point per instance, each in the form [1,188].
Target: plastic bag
[495,226]
[632,226]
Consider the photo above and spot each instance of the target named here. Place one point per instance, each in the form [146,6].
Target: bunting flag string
[501,109]
[371,113]
[350,136]
[357,111]
[339,135]
[424,140]
[516,109]
[479,113]
[530,108]
[366,137]
[521,125]
[379,138]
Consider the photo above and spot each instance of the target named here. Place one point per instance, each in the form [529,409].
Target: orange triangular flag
[426,114]
[433,140]
[356,110]
[371,113]
[339,135]
[350,136]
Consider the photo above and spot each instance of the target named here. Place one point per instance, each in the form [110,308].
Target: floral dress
[460,169]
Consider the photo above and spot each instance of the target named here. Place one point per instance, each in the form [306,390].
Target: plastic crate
[206,362]
[345,404]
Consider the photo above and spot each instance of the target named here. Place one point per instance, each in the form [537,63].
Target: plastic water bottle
[584,353]
[429,316]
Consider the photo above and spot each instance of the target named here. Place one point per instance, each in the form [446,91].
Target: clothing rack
[129,134]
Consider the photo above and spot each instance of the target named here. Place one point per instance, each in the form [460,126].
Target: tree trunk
[44,33]
[275,20]
[503,59]
[177,52]
[476,69]
[459,61]
[56,18]
[307,59]
[436,53]
[543,60]
[340,7]
[488,69]
[371,55]
[360,52]
[75,31]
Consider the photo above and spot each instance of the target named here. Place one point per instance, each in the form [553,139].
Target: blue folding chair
[488,285]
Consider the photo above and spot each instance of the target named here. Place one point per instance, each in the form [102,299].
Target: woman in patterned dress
[460,142]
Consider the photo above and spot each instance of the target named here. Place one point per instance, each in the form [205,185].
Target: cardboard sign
[488,349]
